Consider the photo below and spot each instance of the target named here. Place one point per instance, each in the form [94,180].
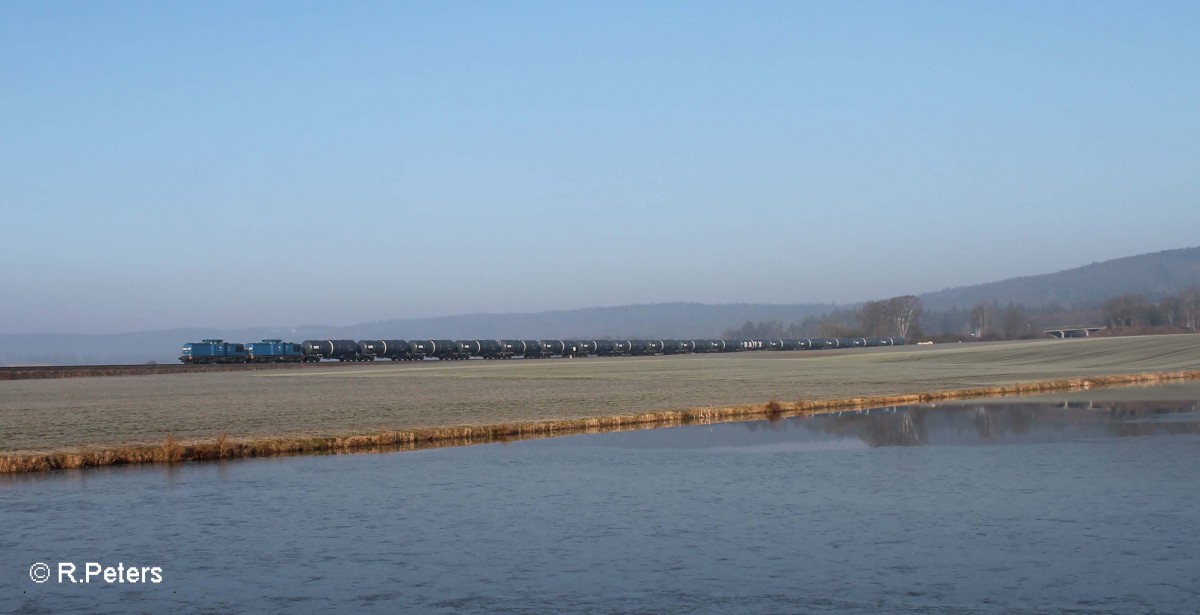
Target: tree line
[905,316]
[1172,311]
[897,316]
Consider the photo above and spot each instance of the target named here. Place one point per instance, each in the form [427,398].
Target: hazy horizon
[318,325]
[233,166]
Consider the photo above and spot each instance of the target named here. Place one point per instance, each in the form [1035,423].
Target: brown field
[88,421]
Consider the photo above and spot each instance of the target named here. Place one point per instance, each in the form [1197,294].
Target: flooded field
[1082,504]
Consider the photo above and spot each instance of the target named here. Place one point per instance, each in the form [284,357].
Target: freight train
[311,351]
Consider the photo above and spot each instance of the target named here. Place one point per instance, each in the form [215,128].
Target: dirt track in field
[69,414]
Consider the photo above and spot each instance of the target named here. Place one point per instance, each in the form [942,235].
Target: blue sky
[238,164]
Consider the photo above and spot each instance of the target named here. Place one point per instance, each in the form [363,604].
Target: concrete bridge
[1065,332]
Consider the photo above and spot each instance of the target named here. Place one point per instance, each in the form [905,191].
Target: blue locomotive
[213,351]
[274,351]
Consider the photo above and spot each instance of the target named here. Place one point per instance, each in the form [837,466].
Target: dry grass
[773,410]
[174,451]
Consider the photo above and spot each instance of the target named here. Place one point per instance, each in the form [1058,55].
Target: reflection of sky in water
[940,425]
[841,513]
[842,444]
[1181,417]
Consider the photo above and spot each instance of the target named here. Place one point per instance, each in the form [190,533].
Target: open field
[91,414]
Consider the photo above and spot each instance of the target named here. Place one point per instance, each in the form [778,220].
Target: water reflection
[962,424]
[795,515]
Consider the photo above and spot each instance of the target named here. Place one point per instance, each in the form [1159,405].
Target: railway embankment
[38,372]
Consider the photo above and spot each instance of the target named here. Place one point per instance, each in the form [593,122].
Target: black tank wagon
[533,349]
[513,348]
[645,347]
[554,348]
[678,346]
[342,350]
[446,350]
[573,348]
[485,349]
[612,348]
[396,350]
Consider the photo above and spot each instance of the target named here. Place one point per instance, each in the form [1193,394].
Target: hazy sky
[170,164]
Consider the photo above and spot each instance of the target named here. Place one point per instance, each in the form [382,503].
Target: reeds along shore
[175,451]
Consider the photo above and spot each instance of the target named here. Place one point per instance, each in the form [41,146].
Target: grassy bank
[81,422]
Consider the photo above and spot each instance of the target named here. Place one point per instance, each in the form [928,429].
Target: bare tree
[1170,310]
[1014,321]
[981,318]
[1125,310]
[873,318]
[839,323]
[1189,308]
[903,313]
[756,330]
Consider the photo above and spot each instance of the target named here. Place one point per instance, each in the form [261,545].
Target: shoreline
[223,448]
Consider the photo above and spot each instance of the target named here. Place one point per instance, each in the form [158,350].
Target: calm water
[956,509]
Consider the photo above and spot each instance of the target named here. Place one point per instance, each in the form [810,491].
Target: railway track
[34,372]
[40,372]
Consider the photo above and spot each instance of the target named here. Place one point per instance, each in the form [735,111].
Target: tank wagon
[577,348]
[512,348]
[469,347]
[446,350]
[487,349]
[645,347]
[533,349]
[789,344]
[555,348]
[678,346]
[342,350]
[566,348]
[612,348]
[395,350]
[273,350]
[603,348]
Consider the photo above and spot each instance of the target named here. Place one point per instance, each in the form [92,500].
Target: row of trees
[1174,311]
[895,316]
[898,316]
[990,321]
[905,316]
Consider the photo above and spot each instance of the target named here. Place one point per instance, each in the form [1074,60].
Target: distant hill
[630,321]
[683,320]
[1153,275]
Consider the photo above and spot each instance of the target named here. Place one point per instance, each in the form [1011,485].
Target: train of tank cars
[279,351]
